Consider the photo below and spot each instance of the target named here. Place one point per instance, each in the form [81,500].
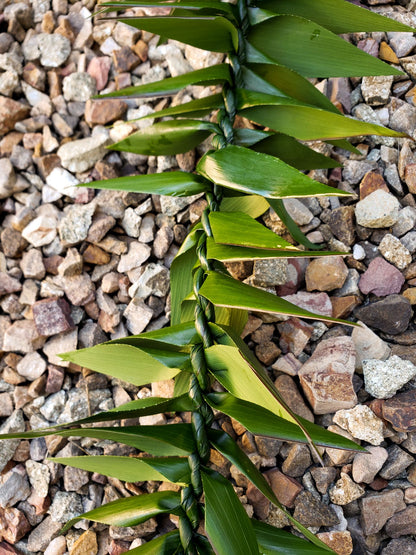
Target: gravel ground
[78,267]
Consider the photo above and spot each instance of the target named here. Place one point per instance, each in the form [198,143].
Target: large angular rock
[326,274]
[383,378]
[22,337]
[378,508]
[13,424]
[368,345]
[402,523]
[400,411]
[366,465]
[361,423]
[377,210]
[319,303]
[10,113]
[390,315]
[381,278]
[81,155]
[326,378]
[52,316]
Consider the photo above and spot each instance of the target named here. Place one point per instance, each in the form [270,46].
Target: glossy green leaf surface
[131,511]
[194,108]
[156,440]
[249,137]
[336,15]
[179,334]
[163,545]
[261,421]
[294,153]
[312,50]
[204,77]
[182,4]
[230,253]
[175,184]
[289,83]
[208,33]
[122,361]
[243,170]
[225,291]
[272,540]
[132,469]
[166,137]
[226,522]
[290,119]
[237,228]
[253,205]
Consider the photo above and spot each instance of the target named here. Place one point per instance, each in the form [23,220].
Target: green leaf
[249,137]
[336,15]
[312,50]
[163,545]
[122,361]
[176,184]
[207,76]
[237,228]
[182,4]
[208,33]
[296,233]
[346,145]
[273,540]
[278,114]
[286,82]
[229,253]
[226,522]
[181,274]
[243,170]
[131,511]
[234,318]
[194,108]
[131,469]
[156,440]
[261,421]
[225,291]
[167,137]
[179,334]
[253,205]
[294,153]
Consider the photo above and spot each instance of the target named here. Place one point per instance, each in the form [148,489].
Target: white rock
[82,154]
[379,209]
[56,547]
[61,343]
[40,231]
[31,366]
[54,49]
[7,178]
[63,182]
[358,252]
[137,316]
[368,345]
[384,377]
[361,423]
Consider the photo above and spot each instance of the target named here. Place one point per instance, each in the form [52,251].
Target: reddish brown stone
[52,263]
[372,182]
[55,379]
[290,393]
[410,177]
[95,255]
[403,523]
[379,484]
[10,113]
[52,316]
[343,306]
[104,111]
[13,525]
[7,549]
[41,504]
[285,488]
[267,352]
[377,509]
[260,503]
[125,59]
[99,68]
[34,76]
[8,284]
[47,163]
[141,48]
[294,335]
[400,411]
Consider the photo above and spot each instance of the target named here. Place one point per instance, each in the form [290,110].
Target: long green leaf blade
[272,540]
[336,15]
[237,228]
[243,170]
[163,545]
[132,510]
[167,137]
[185,4]
[253,205]
[179,334]
[226,522]
[261,421]
[208,33]
[122,361]
[175,183]
[225,291]
[194,108]
[212,75]
[131,469]
[312,50]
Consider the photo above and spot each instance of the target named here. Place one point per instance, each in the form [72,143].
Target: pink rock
[294,335]
[99,68]
[319,303]
[326,378]
[52,316]
[381,278]
[295,275]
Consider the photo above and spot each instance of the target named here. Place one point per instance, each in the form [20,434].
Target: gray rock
[270,272]
[138,253]
[137,315]
[354,170]
[65,506]
[397,461]
[15,488]
[53,406]
[402,43]
[298,211]
[376,89]
[7,178]
[409,241]
[406,221]
[82,154]
[13,424]
[58,344]
[394,251]
[172,205]
[404,119]
[153,281]
[39,477]
[40,538]
[76,407]
[54,49]
[73,228]
[383,378]
[79,87]
[368,345]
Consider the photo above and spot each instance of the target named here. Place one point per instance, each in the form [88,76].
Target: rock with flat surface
[81,155]
[381,278]
[390,315]
[366,465]
[383,378]
[345,491]
[326,274]
[377,210]
[402,523]
[326,378]
[361,423]
[400,411]
[377,509]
